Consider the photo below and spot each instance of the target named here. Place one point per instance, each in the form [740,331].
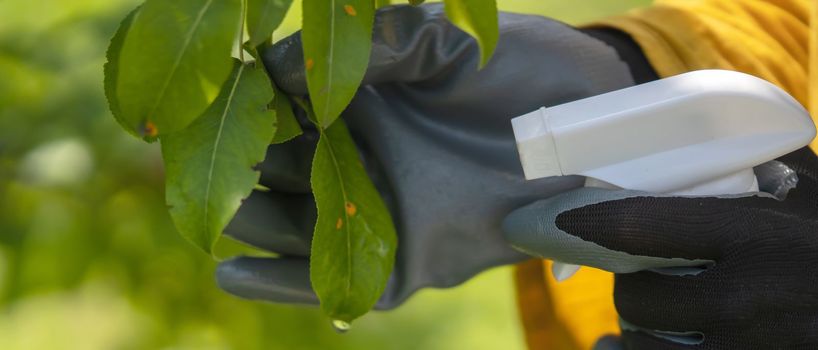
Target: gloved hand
[749,276]
[435,135]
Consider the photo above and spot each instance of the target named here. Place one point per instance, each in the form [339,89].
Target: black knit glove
[694,273]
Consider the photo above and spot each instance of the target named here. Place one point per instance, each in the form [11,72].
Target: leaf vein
[330,61]
[216,144]
[337,167]
[178,60]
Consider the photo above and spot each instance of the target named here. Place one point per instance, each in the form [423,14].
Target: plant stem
[241,29]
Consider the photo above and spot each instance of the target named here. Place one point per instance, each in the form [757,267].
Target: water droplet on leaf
[341,326]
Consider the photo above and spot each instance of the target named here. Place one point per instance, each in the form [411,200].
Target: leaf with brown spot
[353,248]
[337,36]
[173,60]
[149,130]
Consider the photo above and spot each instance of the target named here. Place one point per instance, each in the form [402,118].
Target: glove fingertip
[533,230]
[276,280]
[284,62]
[528,226]
[520,228]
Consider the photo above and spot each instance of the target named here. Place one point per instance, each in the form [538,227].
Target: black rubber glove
[751,262]
[435,135]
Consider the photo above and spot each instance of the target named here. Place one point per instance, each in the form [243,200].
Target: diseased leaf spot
[350,10]
[310,62]
[149,129]
[350,208]
[339,224]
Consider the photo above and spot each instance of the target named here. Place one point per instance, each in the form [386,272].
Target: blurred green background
[88,256]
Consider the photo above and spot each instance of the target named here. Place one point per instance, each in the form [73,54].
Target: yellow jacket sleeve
[776,40]
[771,39]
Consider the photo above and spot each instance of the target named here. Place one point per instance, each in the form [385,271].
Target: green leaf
[416,2]
[111,67]
[353,248]
[382,3]
[177,55]
[479,19]
[288,126]
[209,165]
[337,38]
[263,17]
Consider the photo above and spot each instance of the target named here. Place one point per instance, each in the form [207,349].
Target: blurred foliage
[88,256]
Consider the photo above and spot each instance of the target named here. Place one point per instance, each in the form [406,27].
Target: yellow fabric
[565,315]
[813,66]
[772,39]
[540,321]
[776,40]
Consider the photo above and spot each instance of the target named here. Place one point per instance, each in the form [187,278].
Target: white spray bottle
[698,133]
